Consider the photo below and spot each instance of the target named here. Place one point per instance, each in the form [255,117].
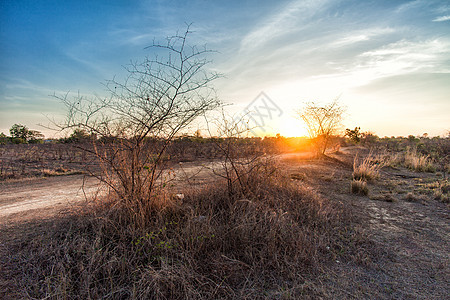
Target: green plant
[354,135]
[3,139]
[21,134]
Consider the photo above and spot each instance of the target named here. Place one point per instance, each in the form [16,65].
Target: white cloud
[442,19]
[361,36]
[399,58]
[291,17]
[411,5]
[404,48]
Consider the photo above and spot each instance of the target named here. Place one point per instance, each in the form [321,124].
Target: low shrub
[206,245]
[442,191]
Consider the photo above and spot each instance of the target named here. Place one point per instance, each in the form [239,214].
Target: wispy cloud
[442,19]
[442,9]
[291,48]
[395,59]
[289,18]
[418,54]
[411,5]
[357,36]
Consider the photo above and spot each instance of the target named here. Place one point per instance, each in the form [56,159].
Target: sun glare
[291,127]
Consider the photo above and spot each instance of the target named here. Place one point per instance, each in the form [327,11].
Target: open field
[225,150]
[301,233]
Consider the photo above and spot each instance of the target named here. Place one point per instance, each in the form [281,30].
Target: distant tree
[19,131]
[3,139]
[322,122]
[35,137]
[198,133]
[354,135]
[78,136]
[370,138]
[21,134]
[412,139]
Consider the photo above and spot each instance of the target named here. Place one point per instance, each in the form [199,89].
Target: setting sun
[291,127]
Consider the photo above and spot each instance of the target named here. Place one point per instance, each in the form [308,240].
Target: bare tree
[241,160]
[322,122]
[135,125]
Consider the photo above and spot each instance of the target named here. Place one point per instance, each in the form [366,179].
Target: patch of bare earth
[35,198]
[408,227]
[41,197]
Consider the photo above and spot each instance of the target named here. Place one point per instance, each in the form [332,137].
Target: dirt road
[19,196]
[34,197]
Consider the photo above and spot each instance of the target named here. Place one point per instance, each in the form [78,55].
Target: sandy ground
[22,197]
[39,197]
[408,228]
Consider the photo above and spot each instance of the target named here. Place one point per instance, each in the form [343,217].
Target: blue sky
[388,61]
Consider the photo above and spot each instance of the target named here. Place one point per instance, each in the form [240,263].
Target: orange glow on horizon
[291,127]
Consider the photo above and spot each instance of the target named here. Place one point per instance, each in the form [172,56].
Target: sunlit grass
[418,162]
[367,169]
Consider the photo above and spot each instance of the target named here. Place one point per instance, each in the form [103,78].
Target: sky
[388,62]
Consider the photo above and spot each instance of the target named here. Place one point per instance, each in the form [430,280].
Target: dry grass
[207,245]
[441,191]
[418,162]
[393,159]
[367,169]
[411,160]
[411,197]
[359,187]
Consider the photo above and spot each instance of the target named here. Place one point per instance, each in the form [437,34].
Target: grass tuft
[367,169]
[359,187]
[418,162]
[442,191]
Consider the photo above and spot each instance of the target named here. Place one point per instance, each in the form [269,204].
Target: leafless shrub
[240,160]
[322,123]
[136,124]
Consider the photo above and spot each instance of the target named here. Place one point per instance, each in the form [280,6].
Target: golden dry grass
[418,162]
[205,245]
[367,169]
